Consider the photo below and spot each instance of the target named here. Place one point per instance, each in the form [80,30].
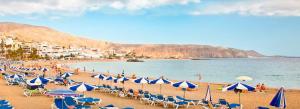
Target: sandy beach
[250,100]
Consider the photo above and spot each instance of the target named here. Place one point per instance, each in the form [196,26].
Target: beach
[250,100]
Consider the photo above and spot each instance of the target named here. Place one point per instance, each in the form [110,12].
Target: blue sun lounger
[71,102]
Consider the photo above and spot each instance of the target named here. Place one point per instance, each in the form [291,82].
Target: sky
[271,27]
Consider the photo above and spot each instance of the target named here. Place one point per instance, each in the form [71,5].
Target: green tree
[34,54]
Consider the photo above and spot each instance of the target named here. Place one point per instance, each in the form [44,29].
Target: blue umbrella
[141,81]
[160,81]
[208,94]
[59,80]
[66,74]
[122,80]
[110,78]
[100,76]
[239,87]
[184,85]
[82,87]
[15,76]
[279,99]
[39,81]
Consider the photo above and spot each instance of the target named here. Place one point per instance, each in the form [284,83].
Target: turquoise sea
[274,72]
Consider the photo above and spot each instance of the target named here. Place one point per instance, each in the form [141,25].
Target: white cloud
[254,8]
[77,7]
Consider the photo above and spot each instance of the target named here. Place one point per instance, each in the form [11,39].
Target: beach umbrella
[122,80]
[66,74]
[184,85]
[110,78]
[244,78]
[208,94]
[160,81]
[279,99]
[141,81]
[15,76]
[59,80]
[100,77]
[39,81]
[239,87]
[82,87]
[61,92]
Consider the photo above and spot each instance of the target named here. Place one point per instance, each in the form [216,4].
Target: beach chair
[4,102]
[114,90]
[128,108]
[130,93]
[6,107]
[11,82]
[110,106]
[140,94]
[59,104]
[171,101]
[70,102]
[260,107]
[223,102]
[152,99]
[89,100]
[186,100]
[145,98]
[159,100]
[235,106]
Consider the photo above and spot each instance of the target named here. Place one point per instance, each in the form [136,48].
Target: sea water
[273,72]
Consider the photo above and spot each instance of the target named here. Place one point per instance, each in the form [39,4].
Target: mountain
[25,32]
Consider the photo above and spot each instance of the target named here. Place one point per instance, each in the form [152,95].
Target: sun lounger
[187,100]
[130,93]
[6,107]
[30,92]
[171,101]
[159,100]
[59,104]
[4,102]
[12,82]
[89,100]
[260,107]
[70,102]
[110,106]
[145,98]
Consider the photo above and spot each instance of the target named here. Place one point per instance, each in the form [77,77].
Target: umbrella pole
[160,88]
[98,82]
[240,99]
[123,85]
[142,86]
[183,93]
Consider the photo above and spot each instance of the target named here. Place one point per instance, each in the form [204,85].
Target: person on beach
[133,76]
[262,88]
[258,87]
[119,76]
